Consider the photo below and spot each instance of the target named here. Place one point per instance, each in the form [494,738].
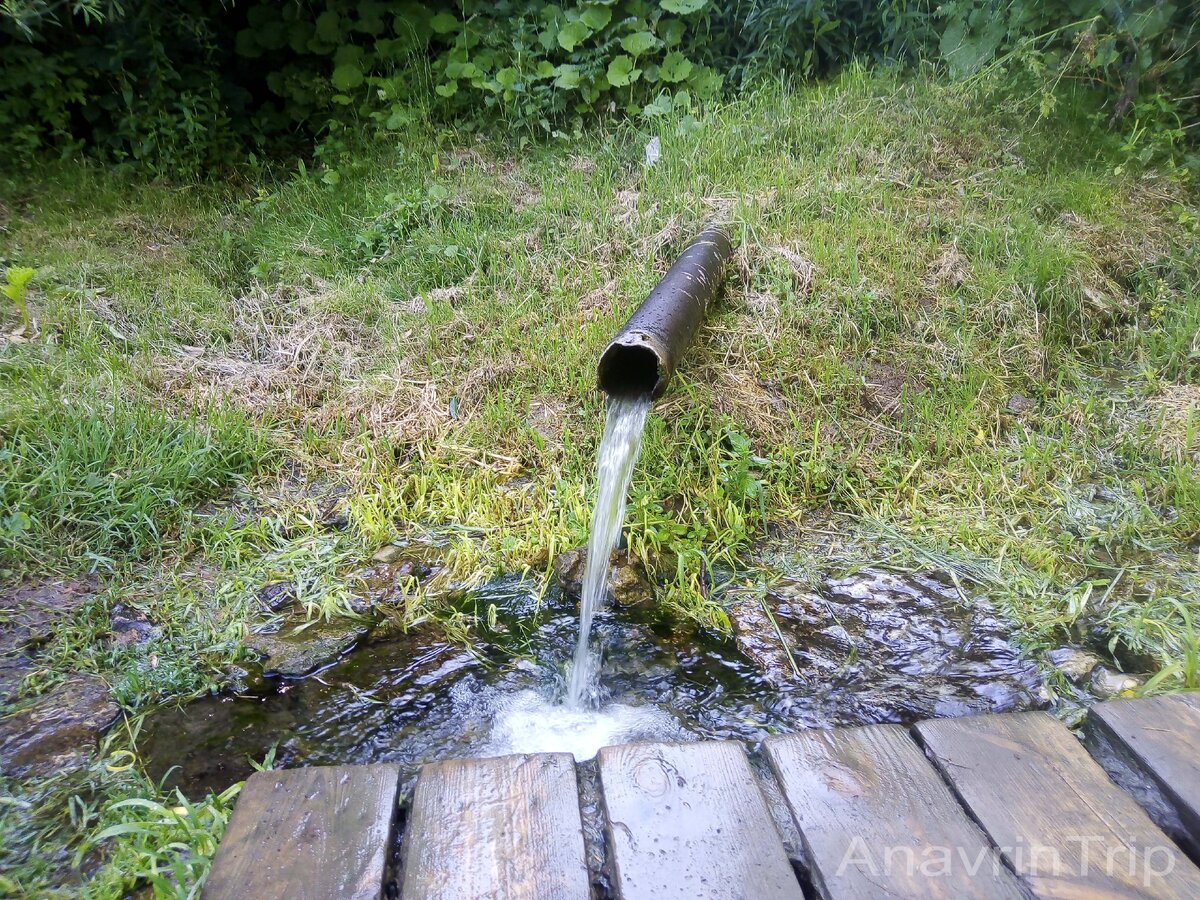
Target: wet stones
[29,617]
[1075,664]
[628,584]
[883,647]
[1106,683]
[756,636]
[388,553]
[58,730]
[295,651]
[130,626]
[277,596]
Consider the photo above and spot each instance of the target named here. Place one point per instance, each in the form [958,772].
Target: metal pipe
[642,357]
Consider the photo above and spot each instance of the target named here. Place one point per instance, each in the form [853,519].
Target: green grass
[971,349]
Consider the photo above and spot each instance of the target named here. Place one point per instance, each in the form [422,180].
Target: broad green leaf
[329,27]
[568,77]
[596,17]
[622,72]
[967,51]
[660,107]
[683,7]
[347,77]
[443,23]
[19,276]
[638,42]
[507,77]
[545,68]
[572,34]
[1152,22]
[347,54]
[676,67]
[462,70]
[449,89]
[671,31]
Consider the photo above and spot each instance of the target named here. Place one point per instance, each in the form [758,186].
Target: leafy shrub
[537,62]
[1133,48]
[182,86]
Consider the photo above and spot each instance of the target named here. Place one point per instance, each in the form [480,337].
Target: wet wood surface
[872,810]
[506,827]
[882,810]
[1161,735]
[690,821]
[1058,820]
[308,834]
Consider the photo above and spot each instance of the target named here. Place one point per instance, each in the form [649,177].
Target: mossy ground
[955,333]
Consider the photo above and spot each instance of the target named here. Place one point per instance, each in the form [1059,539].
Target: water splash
[618,452]
[529,723]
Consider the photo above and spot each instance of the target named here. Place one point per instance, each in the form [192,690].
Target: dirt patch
[950,269]
[295,360]
[598,302]
[885,388]
[29,616]
[59,730]
[546,416]
[804,273]
[748,401]
[625,209]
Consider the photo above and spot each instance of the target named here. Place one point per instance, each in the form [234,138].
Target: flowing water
[614,468]
[874,646]
[871,647]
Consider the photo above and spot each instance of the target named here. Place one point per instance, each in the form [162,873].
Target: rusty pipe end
[634,365]
[646,351]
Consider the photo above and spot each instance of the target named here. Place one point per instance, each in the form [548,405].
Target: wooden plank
[507,827]
[308,834]
[1059,822]
[877,818]
[1160,736]
[688,821]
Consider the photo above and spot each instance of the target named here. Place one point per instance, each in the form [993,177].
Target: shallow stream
[872,647]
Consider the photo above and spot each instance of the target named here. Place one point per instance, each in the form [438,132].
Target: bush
[182,86]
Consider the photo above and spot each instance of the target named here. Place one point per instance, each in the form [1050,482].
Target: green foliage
[540,64]
[184,86]
[17,283]
[1130,48]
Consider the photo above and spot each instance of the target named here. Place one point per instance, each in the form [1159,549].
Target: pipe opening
[628,370]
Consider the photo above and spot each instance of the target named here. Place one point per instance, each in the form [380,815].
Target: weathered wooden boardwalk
[988,806]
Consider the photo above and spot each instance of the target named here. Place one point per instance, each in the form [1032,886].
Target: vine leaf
[443,23]
[683,7]
[638,42]
[621,71]
[572,34]
[676,67]
[347,77]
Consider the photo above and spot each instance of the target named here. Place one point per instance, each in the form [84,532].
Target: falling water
[618,452]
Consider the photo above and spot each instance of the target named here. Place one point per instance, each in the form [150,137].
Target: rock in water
[1106,683]
[293,652]
[58,730]
[1075,664]
[627,582]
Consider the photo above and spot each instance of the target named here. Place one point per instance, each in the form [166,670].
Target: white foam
[527,722]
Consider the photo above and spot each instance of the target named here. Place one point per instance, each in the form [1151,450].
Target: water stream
[614,468]
[873,646]
[870,647]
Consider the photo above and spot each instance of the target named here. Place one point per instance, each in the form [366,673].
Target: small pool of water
[871,648]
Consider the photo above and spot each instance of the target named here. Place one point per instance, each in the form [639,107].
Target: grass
[961,346]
